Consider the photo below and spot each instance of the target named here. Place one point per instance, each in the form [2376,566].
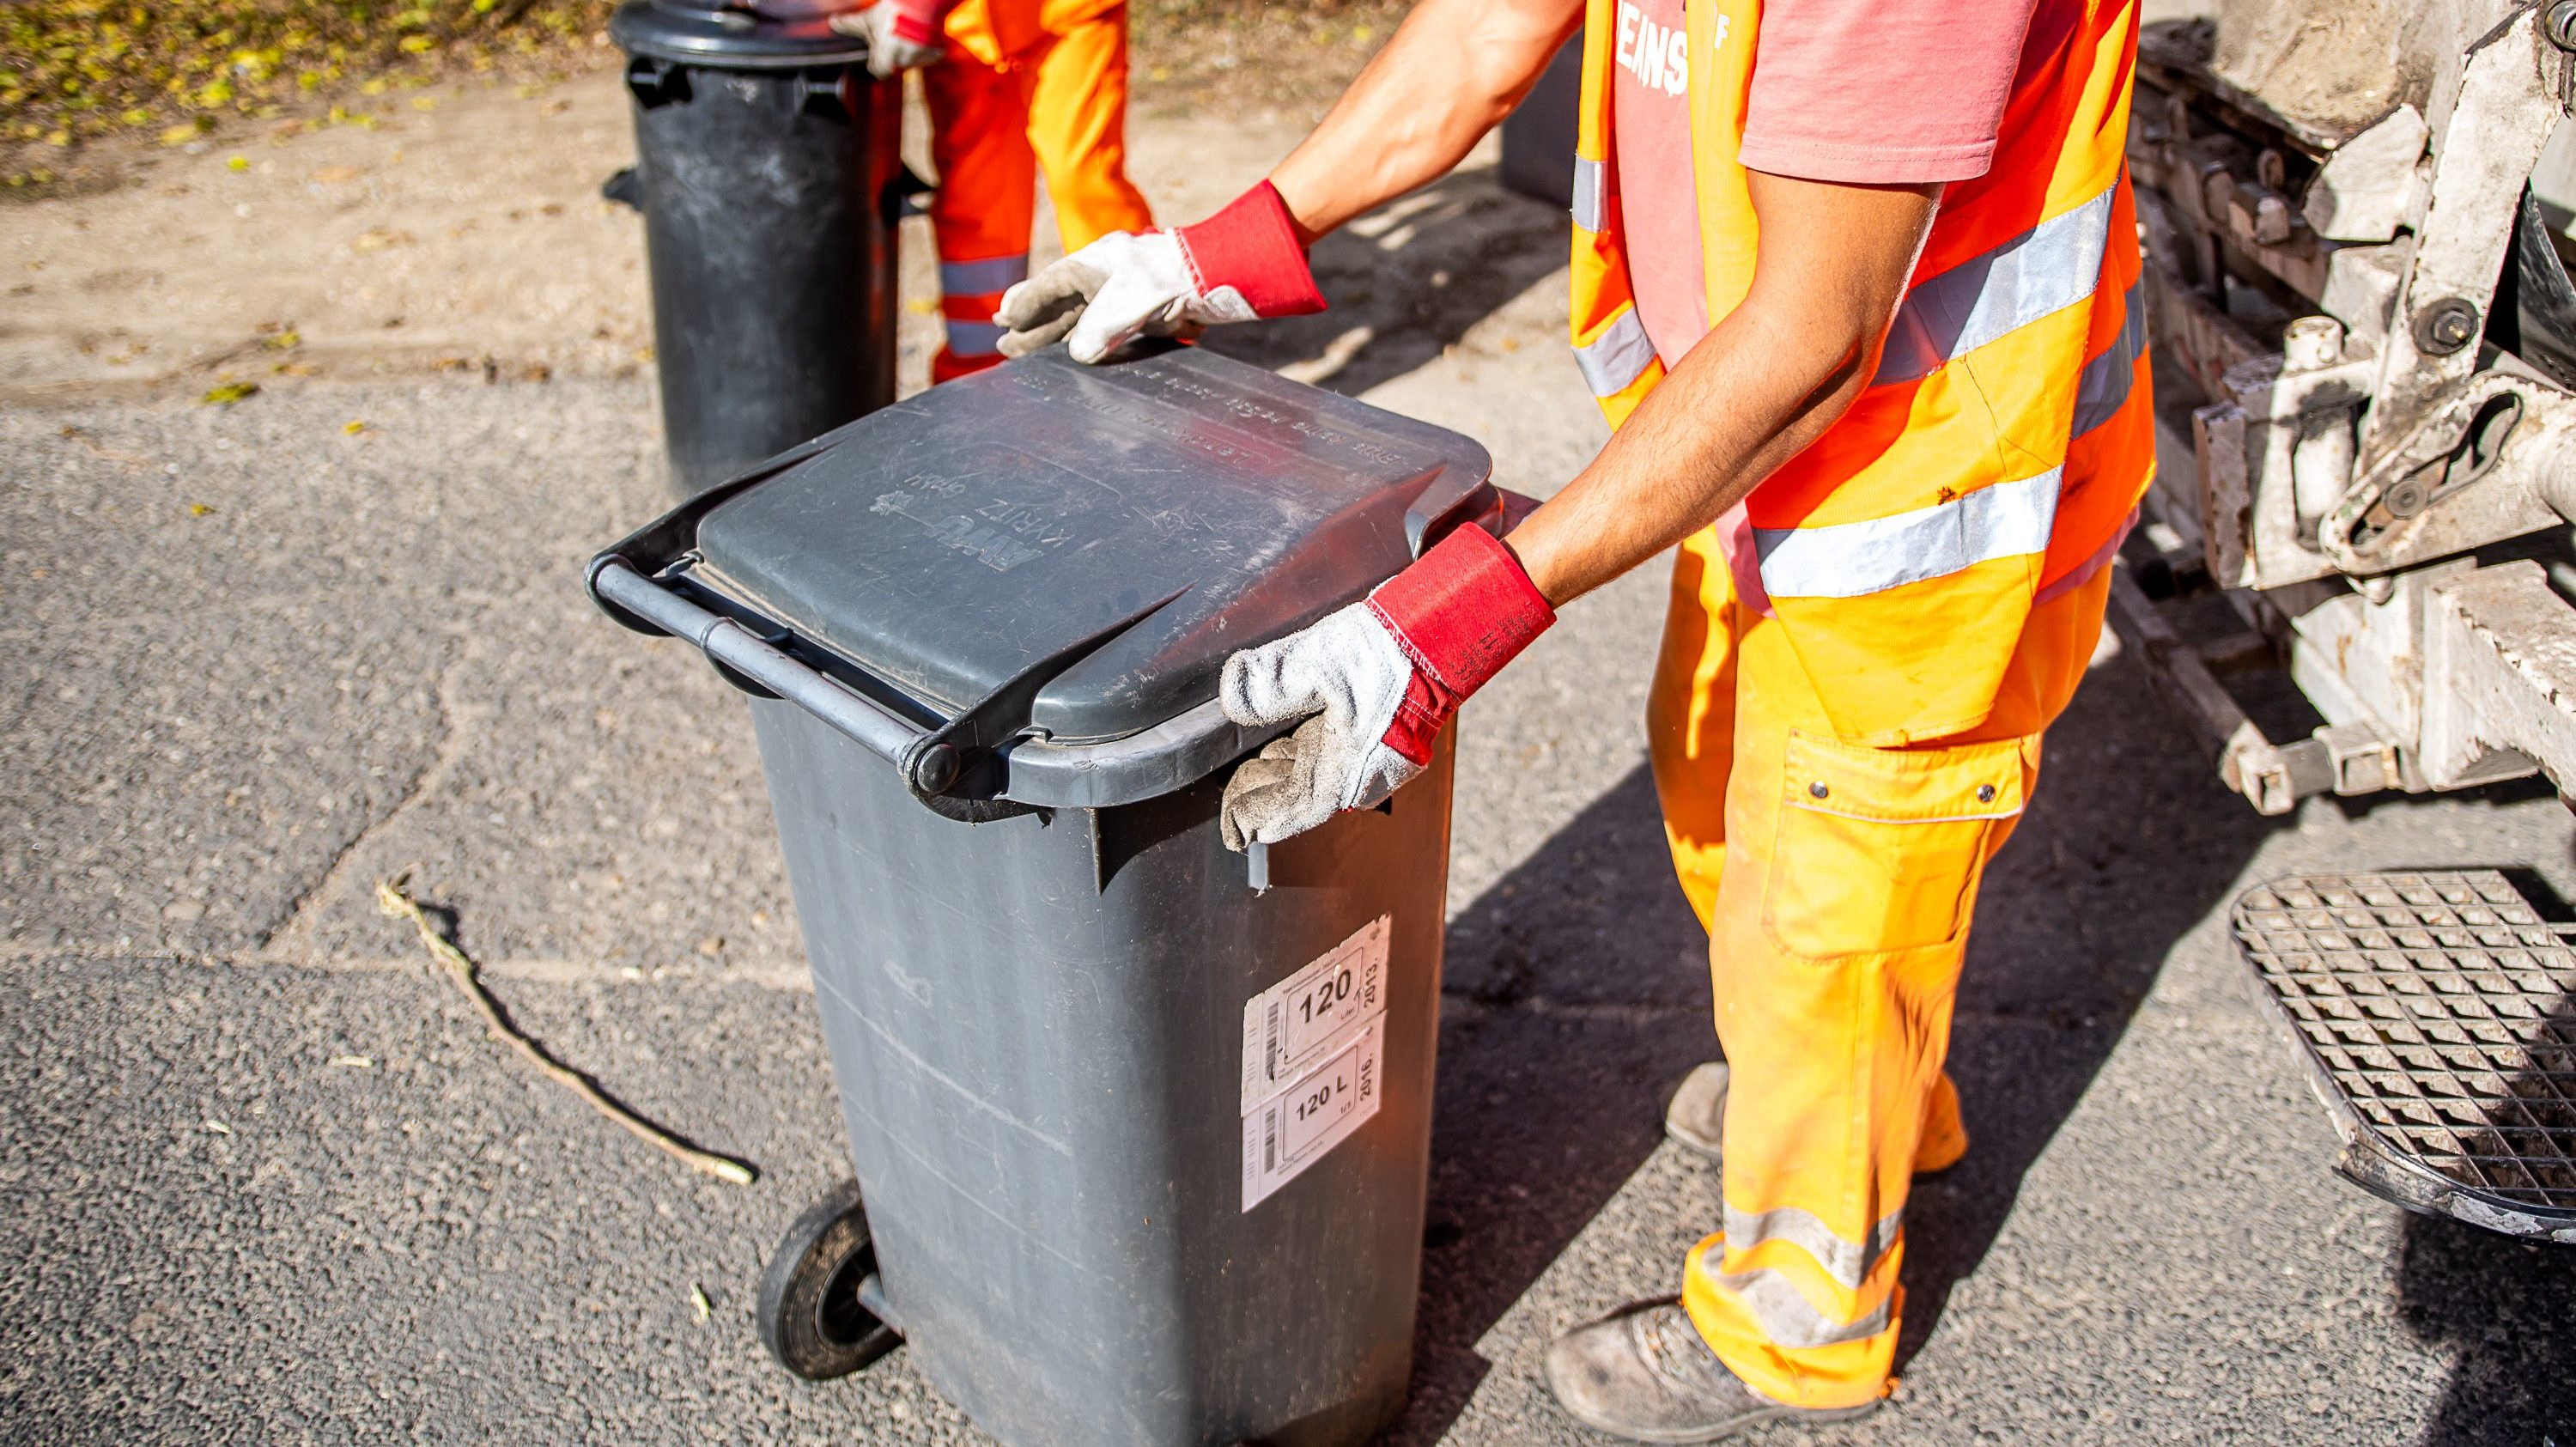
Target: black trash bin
[1142,1126]
[1538,136]
[767,171]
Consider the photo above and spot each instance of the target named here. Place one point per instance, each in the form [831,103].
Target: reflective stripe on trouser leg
[972,332]
[987,194]
[974,339]
[973,292]
[989,277]
[1834,994]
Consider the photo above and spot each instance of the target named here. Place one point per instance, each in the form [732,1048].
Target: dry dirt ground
[264,1180]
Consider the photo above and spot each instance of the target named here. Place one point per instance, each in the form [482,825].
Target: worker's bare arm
[1767,381]
[1452,71]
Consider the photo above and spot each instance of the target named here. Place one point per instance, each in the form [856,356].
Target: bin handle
[655,84]
[1448,503]
[950,768]
[728,644]
[659,544]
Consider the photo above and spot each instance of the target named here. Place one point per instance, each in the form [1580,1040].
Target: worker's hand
[899,37]
[1242,264]
[1382,677]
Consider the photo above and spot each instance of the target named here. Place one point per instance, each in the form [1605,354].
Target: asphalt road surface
[266,1180]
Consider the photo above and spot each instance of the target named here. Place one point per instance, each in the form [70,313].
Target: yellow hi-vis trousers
[1060,106]
[1837,883]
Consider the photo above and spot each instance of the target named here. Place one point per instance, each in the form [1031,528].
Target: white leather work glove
[1381,678]
[1242,264]
[900,36]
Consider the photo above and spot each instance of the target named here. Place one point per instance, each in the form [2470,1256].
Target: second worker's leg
[1078,127]
[985,204]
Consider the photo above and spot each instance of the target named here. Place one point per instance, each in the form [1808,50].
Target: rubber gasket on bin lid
[2437,1014]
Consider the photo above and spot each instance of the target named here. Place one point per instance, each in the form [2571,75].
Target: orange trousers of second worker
[1060,107]
[1837,883]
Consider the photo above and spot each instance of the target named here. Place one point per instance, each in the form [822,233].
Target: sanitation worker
[1013,87]
[1856,284]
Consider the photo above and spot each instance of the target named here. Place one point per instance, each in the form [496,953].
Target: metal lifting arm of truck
[2366,336]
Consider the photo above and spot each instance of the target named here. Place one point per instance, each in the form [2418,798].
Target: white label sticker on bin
[1309,1016]
[1318,1111]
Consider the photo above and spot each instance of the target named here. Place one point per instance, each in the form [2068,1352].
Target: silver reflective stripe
[1617,357]
[983,278]
[2103,388]
[1845,1261]
[974,339]
[1786,1317]
[1591,199]
[2046,269]
[1846,560]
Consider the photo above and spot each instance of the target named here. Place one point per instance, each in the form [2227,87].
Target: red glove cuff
[1462,611]
[1251,246]
[916,22]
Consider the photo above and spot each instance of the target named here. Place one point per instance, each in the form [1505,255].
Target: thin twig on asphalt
[396,901]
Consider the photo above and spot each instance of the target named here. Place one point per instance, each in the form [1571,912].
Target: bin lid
[784,34]
[950,543]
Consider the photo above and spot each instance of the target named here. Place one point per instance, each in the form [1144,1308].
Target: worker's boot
[1643,1373]
[1697,1115]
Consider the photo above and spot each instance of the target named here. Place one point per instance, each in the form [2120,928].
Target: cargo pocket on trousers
[1878,850]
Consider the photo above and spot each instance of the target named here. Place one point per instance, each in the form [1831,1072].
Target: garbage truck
[2357,221]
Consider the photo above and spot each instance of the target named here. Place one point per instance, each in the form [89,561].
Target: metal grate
[2441,1009]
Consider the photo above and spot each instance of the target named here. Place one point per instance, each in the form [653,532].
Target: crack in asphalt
[296,919]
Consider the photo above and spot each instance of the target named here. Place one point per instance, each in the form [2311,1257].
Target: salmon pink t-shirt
[1858,91]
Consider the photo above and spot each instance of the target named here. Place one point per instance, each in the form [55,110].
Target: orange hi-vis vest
[2008,433]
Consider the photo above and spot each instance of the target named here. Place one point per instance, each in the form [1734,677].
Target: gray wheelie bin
[1140,1126]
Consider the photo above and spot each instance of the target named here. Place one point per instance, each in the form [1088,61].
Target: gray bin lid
[950,542]
[732,37]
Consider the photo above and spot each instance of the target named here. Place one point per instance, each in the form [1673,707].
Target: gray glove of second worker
[898,39]
[1242,264]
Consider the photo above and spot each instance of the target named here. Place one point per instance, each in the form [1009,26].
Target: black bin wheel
[809,1311]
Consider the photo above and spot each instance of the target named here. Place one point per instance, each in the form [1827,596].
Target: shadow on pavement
[1574,1001]
[2461,1286]
[1406,282]
[2507,1307]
